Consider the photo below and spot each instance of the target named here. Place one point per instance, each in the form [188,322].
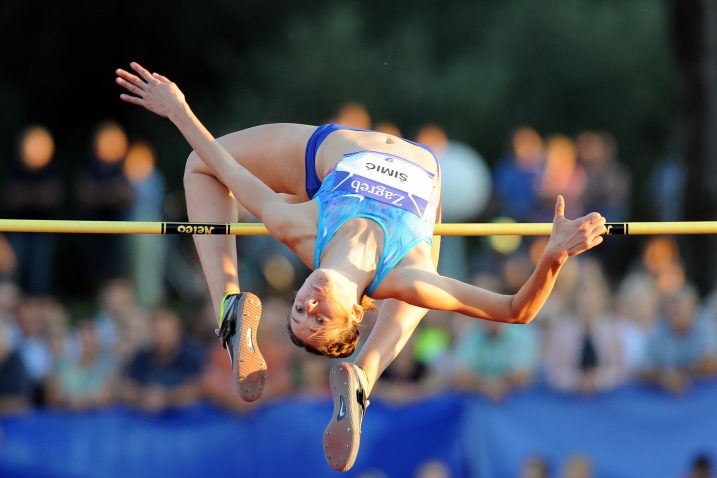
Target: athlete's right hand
[153,91]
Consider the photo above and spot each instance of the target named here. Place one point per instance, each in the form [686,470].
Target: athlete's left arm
[426,288]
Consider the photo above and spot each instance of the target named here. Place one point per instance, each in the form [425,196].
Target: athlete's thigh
[274,153]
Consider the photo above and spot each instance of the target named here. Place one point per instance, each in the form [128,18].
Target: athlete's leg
[351,384]
[275,154]
[208,200]
[394,326]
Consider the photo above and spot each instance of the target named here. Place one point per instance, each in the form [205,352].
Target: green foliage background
[479,68]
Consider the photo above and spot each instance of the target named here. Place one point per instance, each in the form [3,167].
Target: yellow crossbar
[252,229]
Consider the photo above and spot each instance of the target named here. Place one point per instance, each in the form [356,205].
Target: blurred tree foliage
[479,68]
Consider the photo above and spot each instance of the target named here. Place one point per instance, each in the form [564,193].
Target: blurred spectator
[87,381]
[666,189]
[34,347]
[535,467]
[166,374]
[433,469]
[15,383]
[701,467]
[148,251]
[9,306]
[388,128]
[562,175]
[354,114]
[493,359]
[578,467]
[636,312]
[104,193]
[607,191]
[661,259]
[34,190]
[517,176]
[122,326]
[608,181]
[584,351]
[8,260]
[681,349]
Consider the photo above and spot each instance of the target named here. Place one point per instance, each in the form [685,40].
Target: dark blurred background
[106,341]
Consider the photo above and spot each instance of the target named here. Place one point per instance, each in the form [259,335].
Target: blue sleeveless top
[313,183]
[400,196]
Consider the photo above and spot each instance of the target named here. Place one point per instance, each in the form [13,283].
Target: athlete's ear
[357,313]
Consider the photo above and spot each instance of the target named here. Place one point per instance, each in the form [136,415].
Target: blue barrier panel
[279,439]
[628,433]
[632,432]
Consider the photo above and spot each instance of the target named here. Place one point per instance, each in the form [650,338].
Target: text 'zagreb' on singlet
[399,195]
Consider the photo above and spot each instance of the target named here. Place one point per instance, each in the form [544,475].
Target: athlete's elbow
[522,319]
[520,315]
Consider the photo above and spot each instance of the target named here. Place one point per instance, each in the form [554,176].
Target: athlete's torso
[276,154]
[343,142]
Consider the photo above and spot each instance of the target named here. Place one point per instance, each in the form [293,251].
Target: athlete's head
[324,317]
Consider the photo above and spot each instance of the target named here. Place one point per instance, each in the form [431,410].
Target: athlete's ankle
[363,377]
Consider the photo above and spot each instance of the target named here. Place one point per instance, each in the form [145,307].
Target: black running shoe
[342,436]
[240,314]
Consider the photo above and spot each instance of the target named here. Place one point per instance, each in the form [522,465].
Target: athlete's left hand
[153,91]
[572,237]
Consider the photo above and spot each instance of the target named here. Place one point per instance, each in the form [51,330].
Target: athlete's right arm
[162,97]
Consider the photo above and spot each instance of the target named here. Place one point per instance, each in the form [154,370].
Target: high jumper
[356,206]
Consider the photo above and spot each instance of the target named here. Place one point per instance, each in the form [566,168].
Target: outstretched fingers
[143,72]
[132,99]
[131,87]
[161,78]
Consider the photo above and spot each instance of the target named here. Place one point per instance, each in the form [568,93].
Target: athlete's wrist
[179,113]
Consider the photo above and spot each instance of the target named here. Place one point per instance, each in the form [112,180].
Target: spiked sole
[342,436]
[249,367]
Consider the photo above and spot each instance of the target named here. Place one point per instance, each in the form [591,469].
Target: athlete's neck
[354,252]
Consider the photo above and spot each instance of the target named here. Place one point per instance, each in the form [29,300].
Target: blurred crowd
[145,337]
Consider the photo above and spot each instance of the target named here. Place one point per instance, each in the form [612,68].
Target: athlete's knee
[194,165]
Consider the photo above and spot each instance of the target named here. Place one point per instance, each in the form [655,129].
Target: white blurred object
[466,182]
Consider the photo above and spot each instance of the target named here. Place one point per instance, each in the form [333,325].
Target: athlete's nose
[311,304]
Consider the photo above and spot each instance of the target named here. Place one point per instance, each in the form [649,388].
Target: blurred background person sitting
[166,374]
[493,359]
[34,190]
[682,348]
[583,351]
[636,311]
[15,383]
[87,381]
[122,325]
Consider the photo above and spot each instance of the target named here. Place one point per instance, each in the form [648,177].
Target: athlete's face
[315,309]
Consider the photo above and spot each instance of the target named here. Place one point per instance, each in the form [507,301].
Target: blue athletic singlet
[313,183]
[399,195]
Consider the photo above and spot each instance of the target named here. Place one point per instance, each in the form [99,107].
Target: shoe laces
[226,331]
